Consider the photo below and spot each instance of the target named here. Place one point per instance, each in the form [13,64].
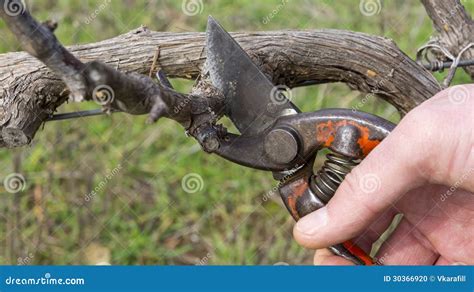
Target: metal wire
[75,115]
[439,65]
[160,75]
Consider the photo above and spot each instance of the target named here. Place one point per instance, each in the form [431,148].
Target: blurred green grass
[142,215]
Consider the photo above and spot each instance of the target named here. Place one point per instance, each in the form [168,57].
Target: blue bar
[233,278]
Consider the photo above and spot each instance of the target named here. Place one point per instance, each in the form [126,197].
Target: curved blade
[253,102]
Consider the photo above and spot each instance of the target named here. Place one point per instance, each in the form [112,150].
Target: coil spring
[325,183]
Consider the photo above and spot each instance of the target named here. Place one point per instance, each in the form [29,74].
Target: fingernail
[312,223]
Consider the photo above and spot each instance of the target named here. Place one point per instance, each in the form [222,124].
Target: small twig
[116,91]
[39,40]
[155,61]
[161,76]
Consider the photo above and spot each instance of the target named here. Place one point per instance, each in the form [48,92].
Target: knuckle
[434,139]
[420,138]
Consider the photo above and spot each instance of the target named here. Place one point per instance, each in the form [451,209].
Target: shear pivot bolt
[281,146]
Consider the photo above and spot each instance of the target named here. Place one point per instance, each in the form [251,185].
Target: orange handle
[300,201]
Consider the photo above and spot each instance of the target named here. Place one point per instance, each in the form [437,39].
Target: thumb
[387,173]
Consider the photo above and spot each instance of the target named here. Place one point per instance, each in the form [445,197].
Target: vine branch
[31,90]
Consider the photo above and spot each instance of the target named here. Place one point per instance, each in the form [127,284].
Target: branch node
[14,137]
[52,25]
[158,110]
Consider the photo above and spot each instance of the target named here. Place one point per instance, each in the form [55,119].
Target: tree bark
[454,26]
[132,93]
[30,92]
[366,63]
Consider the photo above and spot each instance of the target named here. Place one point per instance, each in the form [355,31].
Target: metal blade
[253,102]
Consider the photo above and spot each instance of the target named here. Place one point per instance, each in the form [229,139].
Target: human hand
[423,169]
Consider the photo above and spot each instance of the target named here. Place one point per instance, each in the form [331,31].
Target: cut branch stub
[367,63]
[132,93]
[39,41]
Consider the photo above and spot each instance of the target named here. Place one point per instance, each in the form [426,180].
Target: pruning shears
[276,136]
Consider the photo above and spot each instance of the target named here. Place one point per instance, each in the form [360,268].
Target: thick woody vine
[30,91]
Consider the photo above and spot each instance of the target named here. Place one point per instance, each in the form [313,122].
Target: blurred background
[112,189]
